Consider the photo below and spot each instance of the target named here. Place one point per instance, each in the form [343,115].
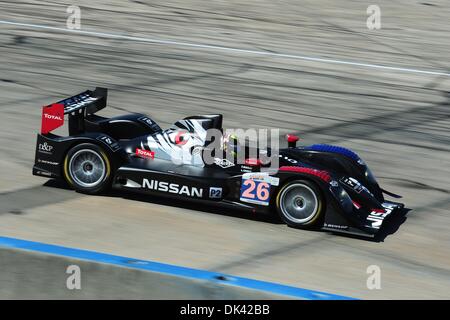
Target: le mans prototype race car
[318,186]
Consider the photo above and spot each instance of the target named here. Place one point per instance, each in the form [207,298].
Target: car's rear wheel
[87,168]
[300,204]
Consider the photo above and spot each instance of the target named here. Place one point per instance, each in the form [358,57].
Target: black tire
[88,169]
[300,204]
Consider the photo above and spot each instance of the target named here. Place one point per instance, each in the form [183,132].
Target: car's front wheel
[300,204]
[87,168]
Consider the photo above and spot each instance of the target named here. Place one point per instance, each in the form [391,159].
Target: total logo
[145,153]
[45,147]
[52,117]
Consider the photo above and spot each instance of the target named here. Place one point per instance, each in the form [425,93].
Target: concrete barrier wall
[30,270]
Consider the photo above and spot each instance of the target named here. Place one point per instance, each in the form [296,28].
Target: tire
[87,168]
[300,204]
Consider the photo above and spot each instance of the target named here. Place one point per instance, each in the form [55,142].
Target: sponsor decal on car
[293,161]
[150,123]
[335,226]
[255,187]
[145,153]
[45,148]
[215,192]
[110,142]
[355,185]
[378,215]
[172,188]
[255,191]
[147,120]
[263,176]
[352,183]
[52,117]
[52,163]
[223,163]
[44,173]
[78,101]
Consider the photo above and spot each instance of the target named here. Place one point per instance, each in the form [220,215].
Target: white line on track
[236,50]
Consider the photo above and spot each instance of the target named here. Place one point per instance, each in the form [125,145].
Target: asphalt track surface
[310,67]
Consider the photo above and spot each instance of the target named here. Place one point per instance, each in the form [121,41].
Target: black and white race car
[317,186]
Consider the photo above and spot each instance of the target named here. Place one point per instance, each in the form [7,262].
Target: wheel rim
[299,203]
[87,168]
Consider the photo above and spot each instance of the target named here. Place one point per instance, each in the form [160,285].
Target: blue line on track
[168,269]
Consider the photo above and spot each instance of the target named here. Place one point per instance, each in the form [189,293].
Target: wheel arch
[287,178]
[115,157]
[322,201]
[108,163]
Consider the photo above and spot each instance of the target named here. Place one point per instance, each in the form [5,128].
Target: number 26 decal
[255,191]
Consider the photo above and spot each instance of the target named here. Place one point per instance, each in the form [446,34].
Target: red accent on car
[180,138]
[292,138]
[356,204]
[324,175]
[52,117]
[253,162]
[145,153]
[378,210]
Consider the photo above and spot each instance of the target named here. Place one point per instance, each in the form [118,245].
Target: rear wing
[77,107]
[90,101]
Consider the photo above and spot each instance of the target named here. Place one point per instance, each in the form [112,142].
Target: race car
[318,186]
